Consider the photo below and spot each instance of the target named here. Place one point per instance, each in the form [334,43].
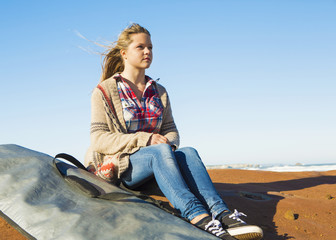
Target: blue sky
[249,81]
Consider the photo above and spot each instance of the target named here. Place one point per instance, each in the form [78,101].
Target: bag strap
[90,190]
[71,159]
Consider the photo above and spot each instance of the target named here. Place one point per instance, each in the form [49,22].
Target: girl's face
[139,53]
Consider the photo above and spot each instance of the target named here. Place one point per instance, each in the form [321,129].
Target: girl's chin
[147,66]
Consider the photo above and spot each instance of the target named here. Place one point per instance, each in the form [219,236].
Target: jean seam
[195,214]
[174,192]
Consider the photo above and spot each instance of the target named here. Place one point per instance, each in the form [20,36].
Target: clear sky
[249,81]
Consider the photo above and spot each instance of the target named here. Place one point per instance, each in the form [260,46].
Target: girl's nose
[147,51]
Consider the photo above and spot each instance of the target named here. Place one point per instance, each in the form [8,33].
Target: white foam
[302,168]
[279,168]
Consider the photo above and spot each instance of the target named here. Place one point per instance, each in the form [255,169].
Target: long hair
[113,61]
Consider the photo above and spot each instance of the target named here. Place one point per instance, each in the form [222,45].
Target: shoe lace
[215,227]
[235,215]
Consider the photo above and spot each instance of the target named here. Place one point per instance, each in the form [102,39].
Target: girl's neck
[137,77]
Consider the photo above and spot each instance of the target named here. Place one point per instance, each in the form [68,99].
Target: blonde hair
[113,61]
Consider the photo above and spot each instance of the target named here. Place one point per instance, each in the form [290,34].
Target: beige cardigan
[109,137]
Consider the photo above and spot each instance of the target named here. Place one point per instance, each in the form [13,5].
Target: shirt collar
[149,80]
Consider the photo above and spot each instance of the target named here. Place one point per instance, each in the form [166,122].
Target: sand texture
[296,205]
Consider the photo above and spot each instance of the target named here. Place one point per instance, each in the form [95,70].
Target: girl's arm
[169,129]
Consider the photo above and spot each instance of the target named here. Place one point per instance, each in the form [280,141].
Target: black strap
[72,160]
[91,191]
[115,196]
[87,187]
[83,185]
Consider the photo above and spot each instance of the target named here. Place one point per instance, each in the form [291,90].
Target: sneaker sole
[246,233]
[249,236]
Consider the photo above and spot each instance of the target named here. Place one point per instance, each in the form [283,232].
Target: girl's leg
[198,180]
[159,160]
[200,184]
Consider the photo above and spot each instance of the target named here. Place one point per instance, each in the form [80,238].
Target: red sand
[299,205]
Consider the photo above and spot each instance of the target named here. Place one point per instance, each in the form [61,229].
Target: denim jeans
[181,176]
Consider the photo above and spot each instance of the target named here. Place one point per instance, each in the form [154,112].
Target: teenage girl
[134,138]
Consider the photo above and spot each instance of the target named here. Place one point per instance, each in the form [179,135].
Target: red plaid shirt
[144,115]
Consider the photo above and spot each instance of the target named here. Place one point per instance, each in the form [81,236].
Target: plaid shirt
[144,115]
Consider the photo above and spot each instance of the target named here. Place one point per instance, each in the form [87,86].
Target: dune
[295,205]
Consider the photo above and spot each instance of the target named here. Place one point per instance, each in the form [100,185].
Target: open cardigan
[111,145]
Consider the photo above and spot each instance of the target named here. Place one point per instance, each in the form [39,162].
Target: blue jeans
[180,175]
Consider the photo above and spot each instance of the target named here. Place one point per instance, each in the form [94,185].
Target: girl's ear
[123,53]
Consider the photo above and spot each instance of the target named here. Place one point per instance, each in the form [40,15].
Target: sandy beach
[295,205]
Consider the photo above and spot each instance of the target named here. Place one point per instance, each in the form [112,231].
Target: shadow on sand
[257,200]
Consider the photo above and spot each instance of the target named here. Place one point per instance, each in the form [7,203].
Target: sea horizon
[298,167]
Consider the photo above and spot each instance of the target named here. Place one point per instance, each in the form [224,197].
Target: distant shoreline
[298,167]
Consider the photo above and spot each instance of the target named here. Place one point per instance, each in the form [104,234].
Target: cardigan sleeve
[168,129]
[106,136]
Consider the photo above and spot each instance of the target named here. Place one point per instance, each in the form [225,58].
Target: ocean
[278,167]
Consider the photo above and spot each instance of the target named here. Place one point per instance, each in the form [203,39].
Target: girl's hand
[157,139]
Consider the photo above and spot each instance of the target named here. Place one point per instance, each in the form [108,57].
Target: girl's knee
[162,152]
[159,149]
[164,147]
[189,155]
[189,151]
